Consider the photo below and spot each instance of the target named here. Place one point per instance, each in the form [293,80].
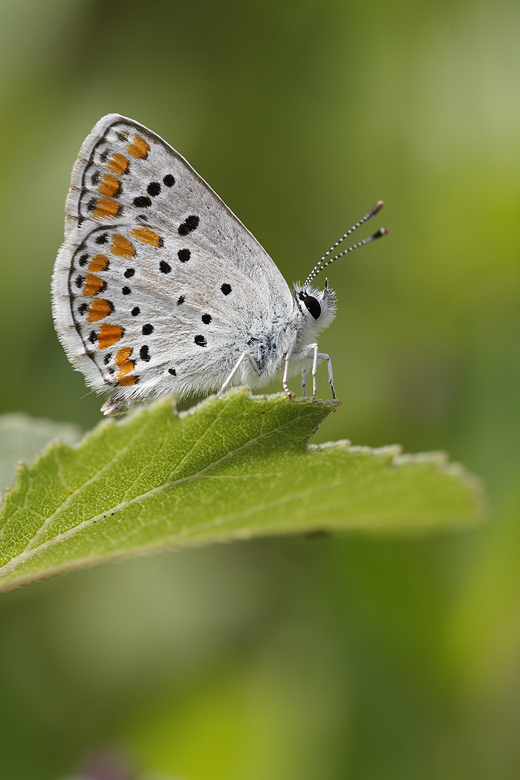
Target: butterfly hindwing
[150,308]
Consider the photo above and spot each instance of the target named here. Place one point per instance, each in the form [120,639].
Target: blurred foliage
[288,658]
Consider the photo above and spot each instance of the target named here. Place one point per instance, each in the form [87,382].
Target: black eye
[312,304]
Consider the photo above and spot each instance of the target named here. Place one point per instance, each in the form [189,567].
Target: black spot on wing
[153,188]
[142,202]
[190,224]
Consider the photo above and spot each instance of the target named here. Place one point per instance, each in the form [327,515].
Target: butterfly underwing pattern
[160,289]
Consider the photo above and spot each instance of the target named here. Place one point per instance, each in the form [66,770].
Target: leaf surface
[23,437]
[233,467]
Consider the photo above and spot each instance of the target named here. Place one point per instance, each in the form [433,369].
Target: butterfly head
[318,307]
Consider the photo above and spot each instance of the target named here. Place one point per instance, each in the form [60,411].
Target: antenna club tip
[381,232]
[377,208]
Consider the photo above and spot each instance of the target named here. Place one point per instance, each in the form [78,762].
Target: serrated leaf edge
[31,550]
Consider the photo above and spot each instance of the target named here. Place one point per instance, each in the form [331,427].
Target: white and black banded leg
[305,376]
[323,356]
[316,356]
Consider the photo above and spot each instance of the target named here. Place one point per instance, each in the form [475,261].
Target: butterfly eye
[312,304]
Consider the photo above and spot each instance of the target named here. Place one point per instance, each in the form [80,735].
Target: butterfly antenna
[321,264]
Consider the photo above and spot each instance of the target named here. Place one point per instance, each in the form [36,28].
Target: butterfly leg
[323,356]
[305,373]
[315,357]
[286,367]
[305,376]
[235,368]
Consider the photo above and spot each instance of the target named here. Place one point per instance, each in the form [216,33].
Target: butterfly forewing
[125,172]
[158,287]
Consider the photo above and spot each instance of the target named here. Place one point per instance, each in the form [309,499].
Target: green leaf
[23,437]
[230,468]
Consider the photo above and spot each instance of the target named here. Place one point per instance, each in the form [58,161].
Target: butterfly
[160,289]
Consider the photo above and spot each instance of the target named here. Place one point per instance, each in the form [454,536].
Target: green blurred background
[288,659]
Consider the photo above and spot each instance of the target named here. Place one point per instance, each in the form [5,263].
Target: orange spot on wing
[123,355]
[122,246]
[106,209]
[127,380]
[98,310]
[138,148]
[118,164]
[93,284]
[125,368]
[98,263]
[109,334]
[147,236]
[121,360]
[110,185]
